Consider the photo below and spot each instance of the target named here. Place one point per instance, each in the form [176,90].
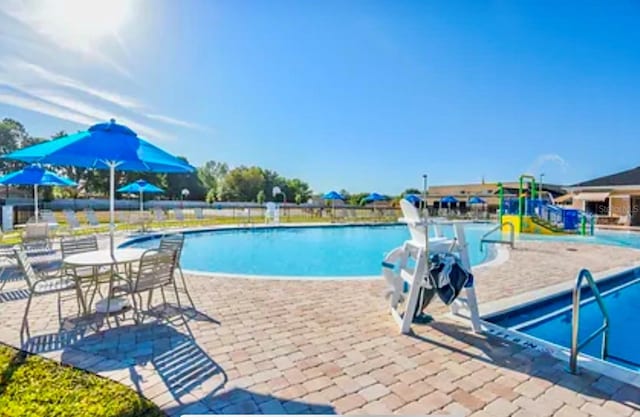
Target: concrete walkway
[270,346]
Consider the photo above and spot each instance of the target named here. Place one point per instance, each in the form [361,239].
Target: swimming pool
[327,251]
[549,320]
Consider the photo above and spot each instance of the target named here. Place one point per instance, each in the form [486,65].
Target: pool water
[334,251]
[550,320]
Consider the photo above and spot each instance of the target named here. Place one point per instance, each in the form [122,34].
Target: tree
[409,191]
[296,187]
[243,184]
[175,183]
[211,175]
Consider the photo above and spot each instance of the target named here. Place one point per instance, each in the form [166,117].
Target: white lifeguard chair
[272,213]
[399,273]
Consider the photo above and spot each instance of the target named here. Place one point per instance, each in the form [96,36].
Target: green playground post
[500,202]
[521,207]
[583,225]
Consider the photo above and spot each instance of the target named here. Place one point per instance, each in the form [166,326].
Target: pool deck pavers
[276,346]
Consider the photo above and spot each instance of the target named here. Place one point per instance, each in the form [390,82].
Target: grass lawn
[34,386]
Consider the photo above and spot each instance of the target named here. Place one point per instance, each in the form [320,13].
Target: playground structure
[530,212]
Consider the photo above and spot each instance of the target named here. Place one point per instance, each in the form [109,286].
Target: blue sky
[362,95]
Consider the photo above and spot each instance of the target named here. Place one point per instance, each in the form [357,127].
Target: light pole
[424,192]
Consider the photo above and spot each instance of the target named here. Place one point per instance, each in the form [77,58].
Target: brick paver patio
[270,346]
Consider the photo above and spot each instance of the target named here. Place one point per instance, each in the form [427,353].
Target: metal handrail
[510,242]
[575,321]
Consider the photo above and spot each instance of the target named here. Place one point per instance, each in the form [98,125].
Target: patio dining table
[101,259]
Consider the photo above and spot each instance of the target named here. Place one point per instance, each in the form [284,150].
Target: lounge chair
[179,215]
[72,220]
[159,215]
[198,213]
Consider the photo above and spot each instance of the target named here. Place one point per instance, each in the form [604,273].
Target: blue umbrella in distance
[332,195]
[141,187]
[107,146]
[35,175]
[373,197]
[413,199]
[476,200]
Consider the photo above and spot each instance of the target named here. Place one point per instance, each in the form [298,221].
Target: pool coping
[498,254]
[508,304]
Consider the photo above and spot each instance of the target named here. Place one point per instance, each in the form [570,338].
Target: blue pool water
[302,251]
[621,294]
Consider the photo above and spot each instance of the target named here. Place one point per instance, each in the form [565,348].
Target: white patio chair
[42,284]
[175,242]
[93,277]
[179,215]
[198,213]
[155,270]
[272,213]
[36,236]
[72,220]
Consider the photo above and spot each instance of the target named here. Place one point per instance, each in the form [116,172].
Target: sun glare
[82,22]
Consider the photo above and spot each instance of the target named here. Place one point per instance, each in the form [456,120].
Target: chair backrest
[412,217]
[71,219]
[48,216]
[25,265]
[174,242]
[36,231]
[178,213]
[92,218]
[159,213]
[71,245]
[156,269]
[198,213]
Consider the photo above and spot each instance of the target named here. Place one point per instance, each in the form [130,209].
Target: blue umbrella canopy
[375,197]
[104,146]
[140,186]
[412,198]
[35,175]
[333,195]
[449,200]
[476,200]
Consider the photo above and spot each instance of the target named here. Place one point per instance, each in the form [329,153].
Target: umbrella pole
[35,200]
[112,203]
[141,203]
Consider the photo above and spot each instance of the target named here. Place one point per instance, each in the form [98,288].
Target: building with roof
[614,198]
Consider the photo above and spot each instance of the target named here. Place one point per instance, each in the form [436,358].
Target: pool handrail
[510,242]
[575,321]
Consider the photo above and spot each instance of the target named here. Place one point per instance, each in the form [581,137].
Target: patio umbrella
[35,175]
[476,200]
[104,146]
[373,197]
[333,196]
[448,200]
[141,187]
[413,199]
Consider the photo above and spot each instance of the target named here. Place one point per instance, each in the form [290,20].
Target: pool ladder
[576,345]
[510,242]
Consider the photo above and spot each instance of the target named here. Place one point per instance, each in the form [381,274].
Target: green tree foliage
[243,184]
[211,175]
[409,191]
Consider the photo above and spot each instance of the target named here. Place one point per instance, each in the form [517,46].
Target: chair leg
[184,286]
[25,320]
[164,298]
[175,288]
